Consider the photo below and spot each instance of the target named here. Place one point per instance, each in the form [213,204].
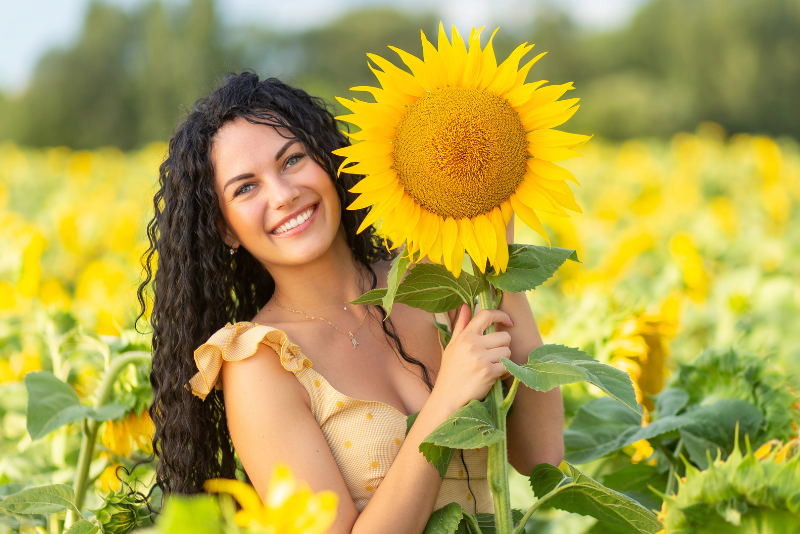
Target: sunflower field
[688,280]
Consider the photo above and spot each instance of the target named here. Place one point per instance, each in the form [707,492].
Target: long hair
[198,287]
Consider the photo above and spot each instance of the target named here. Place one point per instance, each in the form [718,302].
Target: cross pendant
[353,339]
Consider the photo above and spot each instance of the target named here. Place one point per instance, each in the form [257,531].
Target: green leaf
[470,427]
[530,266]
[444,520]
[410,421]
[82,527]
[40,500]
[190,515]
[51,404]
[671,401]
[108,412]
[486,521]
[399,267]
[580,494]
[601,427]
[634,480]
[429,287]
[445,335]
[439,456]
[550,366]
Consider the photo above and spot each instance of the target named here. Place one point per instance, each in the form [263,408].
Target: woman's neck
[332,279]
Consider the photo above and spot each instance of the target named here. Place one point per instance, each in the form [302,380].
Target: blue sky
[30,27]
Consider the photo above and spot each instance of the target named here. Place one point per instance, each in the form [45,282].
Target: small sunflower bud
[119,514]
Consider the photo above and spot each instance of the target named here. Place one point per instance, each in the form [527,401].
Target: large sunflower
[453,148]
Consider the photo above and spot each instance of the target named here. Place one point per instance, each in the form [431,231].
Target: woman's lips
[300,227]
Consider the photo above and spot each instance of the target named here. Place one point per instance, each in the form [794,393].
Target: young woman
[257,261]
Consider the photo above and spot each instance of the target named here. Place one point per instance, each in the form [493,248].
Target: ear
[226,234]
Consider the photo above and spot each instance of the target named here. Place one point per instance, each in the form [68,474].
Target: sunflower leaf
[398,270]
[470,427]
[580,494]
[445,520]
[438,456]
[40,500]
[429,287]
[530,266]
[555,365]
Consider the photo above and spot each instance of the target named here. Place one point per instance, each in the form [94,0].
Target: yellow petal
[449,237]
[472,68]
[484,232]
[507,71]
[433,60]
[458,258]
[444,45]
[373,165]
[381,208]
[376,133]
[554,153]
[359,107]
[533,197]
[364,150]
[518,96]
[507,211]
[429,231]
[501,257]
[549,120]
[545,95]
[489,64]
[471,243]
[561,193]
[528,216]
[374,197]
[435,253]
[244,493]
[553,138]
[374,181]
[400,78]
[418,68]
[458,59]
[523,72]
[549,170]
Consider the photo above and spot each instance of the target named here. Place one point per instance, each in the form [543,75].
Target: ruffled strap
[236,342]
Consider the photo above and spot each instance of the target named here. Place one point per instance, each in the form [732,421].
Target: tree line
[131,75]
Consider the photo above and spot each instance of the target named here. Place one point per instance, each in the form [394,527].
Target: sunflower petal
[549,170]
[364,150]
[545,95]
[528,216]
[486,237]
[373,197]
[429,231]
[507,71]
[472,69]
[435,253]
[471,243]
[522,75]
[532,196]
[400,78]
[370,166]
[449,237]
[507,211]
[418,68]
[519,95]
[458,258]
[458,59]
[489,64]
[433,61]
[553,138]
[560,192]
[380,209]
[552,153]
[374,181]
[501,257]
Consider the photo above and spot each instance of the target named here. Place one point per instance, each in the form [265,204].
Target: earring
[233,251]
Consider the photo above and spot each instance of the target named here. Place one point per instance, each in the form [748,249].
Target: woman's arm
[535,427]
[270,421]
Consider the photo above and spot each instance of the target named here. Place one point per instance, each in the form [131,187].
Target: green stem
[506,404]
[497,468]
[91,427]
[672,480]
[473,523]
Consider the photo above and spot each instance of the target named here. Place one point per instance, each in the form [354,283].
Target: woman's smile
[296,223]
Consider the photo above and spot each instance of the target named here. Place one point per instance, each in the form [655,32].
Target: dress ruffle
[236,342]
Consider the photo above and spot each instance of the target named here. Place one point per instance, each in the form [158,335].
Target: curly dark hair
[198,287]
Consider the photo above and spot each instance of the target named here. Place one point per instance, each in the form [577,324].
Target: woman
[250,226]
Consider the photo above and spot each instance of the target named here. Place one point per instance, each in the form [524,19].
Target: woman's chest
[375,369]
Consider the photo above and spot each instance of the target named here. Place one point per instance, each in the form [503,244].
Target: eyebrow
[248,175]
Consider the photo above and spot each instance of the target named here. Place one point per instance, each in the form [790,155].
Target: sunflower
[452,149]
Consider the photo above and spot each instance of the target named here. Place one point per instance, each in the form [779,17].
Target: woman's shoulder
[239,341]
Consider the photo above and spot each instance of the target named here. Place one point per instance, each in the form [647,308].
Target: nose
[282,192]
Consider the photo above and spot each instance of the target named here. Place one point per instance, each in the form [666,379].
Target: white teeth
[300,219]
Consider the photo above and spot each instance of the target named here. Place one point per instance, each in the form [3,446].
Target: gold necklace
[350,334]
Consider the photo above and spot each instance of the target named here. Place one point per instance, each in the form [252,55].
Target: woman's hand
[471,361]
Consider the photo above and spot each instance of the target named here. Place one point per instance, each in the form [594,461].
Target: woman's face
[276,201]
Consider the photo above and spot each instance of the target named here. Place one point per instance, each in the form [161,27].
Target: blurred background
[690,231]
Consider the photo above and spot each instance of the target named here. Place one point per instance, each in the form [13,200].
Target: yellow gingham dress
[363,436]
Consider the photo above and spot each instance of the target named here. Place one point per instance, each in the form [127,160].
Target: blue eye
[244,189]
[294,158]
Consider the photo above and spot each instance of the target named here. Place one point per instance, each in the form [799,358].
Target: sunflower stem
[497,469]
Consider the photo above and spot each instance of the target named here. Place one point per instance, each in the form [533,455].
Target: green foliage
[398,270]
[741,495]
[580,494]
[445,520]
[120,514]
[429,287]
[530,266]
[190,515]
[550,366]
[730,374]
[53,404]
[40,500]
[82,527]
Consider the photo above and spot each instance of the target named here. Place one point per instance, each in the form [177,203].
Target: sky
[28,28]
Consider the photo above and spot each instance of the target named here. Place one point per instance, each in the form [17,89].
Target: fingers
[462,319]
[496,339]
[484,318]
